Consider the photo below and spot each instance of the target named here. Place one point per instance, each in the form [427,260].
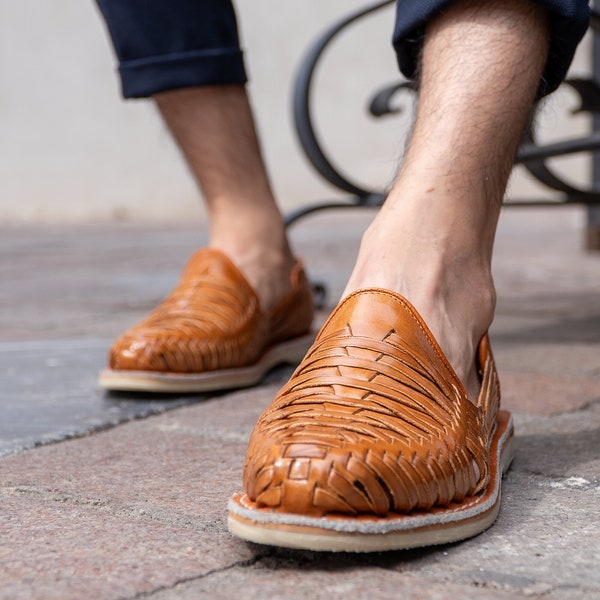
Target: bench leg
[592,230]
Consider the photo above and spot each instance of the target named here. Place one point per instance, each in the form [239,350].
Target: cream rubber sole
[375,534]
[291,351]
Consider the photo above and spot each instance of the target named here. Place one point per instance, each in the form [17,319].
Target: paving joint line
[249,562]
[94,429]
[115,508]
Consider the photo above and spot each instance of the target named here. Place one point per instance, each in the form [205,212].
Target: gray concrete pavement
[133,505]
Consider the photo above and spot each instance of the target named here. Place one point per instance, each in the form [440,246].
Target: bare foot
[450,287]
[261,253]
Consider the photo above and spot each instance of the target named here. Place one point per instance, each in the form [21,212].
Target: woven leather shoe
[210,333]
[373,444]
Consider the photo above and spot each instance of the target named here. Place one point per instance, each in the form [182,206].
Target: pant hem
[148,76]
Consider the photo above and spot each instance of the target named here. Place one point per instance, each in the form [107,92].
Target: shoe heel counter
[293,316]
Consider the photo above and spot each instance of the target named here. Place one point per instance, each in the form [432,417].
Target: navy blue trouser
[168,44]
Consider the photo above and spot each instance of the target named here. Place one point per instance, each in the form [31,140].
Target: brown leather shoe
[373,444]
[210,333]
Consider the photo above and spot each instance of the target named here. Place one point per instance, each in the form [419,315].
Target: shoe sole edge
[290,352]
[348,534]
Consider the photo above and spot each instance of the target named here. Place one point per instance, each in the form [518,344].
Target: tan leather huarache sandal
[210,333]
[373,444]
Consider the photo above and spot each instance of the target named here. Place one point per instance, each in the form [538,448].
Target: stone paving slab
[138,510]
[50,393]
[72,549]
[86,281]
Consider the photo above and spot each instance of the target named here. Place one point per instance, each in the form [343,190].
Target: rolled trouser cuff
[169,44]
[569,20]
[148,76]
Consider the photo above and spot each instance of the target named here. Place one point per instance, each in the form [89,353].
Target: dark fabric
[169,44]
[569,20]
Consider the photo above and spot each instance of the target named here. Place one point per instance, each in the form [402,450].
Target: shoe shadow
[180,397]
[277,375]
[275,559]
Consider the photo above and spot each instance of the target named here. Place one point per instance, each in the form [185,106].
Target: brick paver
[138,510]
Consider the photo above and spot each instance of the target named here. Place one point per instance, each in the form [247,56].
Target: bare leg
[432,241]
[215,131]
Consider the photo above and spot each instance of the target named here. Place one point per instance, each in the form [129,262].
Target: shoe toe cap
[133,353]
[317,479]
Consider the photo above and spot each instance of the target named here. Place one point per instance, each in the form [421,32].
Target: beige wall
[72,151]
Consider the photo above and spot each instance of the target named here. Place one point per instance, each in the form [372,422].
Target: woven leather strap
[212,320]
[373,420]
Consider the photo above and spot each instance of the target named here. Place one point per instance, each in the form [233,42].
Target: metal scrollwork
[359,196]
[381,104]
[532,155]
